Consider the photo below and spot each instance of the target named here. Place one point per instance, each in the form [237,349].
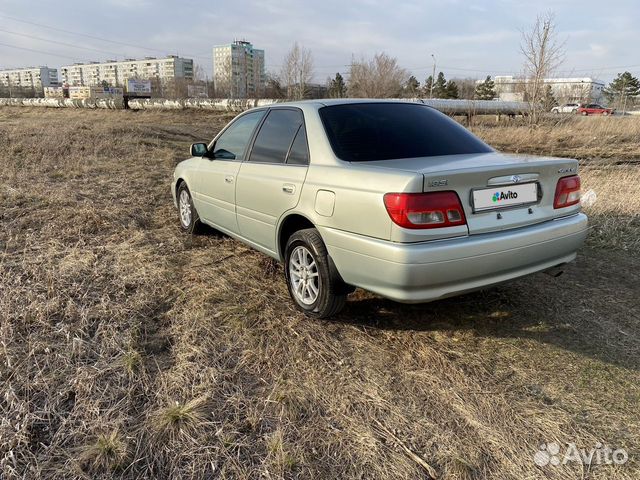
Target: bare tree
[380,77]
[273,88]
[466,87]
[297,72]
[543,53]
[199,74]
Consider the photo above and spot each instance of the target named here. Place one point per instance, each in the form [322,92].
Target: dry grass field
[129,350]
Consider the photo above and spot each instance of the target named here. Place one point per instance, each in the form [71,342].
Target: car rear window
[384,131]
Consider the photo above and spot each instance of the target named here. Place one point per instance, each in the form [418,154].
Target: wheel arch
[290,224]
[294,222]
[179,182]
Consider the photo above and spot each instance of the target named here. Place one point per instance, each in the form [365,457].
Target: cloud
[598,50]
[129,4]
[470,39]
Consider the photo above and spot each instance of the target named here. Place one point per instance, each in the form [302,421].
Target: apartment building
[238,70]
[29,78]
[116,73]
[581,89]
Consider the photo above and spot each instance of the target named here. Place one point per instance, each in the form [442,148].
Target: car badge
[516,178]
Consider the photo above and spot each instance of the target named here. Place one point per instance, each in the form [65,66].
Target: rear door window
[299,153]
[276,136]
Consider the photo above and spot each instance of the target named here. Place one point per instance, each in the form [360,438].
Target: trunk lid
[524,186]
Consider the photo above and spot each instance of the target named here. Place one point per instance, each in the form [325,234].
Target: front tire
[189,218]
[315,287]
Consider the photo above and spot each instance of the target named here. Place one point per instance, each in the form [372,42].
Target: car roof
[324,102]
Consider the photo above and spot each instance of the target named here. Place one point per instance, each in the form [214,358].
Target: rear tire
[605,114]
[315,287]
[187,213]
[584,114]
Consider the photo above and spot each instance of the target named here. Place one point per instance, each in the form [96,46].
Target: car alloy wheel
[189,218]
[304,275]
[185,208]
[312,280]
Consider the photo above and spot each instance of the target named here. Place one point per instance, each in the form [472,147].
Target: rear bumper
[421,272]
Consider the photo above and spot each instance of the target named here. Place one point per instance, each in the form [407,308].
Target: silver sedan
[392,197]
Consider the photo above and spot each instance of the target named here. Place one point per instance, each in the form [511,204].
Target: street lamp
[433,76]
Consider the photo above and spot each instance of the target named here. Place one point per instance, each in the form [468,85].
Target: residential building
[565,90]
[116,73]
[238,70]
[35,78]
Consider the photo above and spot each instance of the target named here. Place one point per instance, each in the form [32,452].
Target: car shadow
[592,309]
[574,312]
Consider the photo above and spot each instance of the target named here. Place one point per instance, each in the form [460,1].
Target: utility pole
[433,76]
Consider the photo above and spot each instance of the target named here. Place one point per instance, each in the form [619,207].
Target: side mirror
[199,149]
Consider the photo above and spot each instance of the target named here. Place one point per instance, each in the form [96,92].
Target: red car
[594,109]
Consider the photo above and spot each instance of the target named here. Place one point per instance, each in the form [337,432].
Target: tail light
[567,192]
[425,210]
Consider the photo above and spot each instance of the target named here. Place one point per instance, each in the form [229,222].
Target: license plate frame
[484,203]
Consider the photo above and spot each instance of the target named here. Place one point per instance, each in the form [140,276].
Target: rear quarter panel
[358,197]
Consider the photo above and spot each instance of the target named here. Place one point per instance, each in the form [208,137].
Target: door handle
[288,188]
[228,178]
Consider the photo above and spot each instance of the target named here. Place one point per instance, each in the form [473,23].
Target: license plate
[504,196]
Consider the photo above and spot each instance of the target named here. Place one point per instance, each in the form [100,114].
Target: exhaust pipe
[556,271]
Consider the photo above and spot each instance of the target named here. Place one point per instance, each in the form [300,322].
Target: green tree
[412,88]
[440,87]
[548,100]
[337,87]
[427,86]
[451,90]
[486,90]
[623,91]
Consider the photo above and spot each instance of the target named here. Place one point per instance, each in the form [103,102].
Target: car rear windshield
[383,131]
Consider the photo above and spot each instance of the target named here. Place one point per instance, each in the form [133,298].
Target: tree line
[378,77]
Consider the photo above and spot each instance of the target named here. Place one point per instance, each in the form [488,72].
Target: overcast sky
[470,38]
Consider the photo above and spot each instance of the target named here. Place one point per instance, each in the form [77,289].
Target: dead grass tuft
[178,420]
[131,360]
[107,453]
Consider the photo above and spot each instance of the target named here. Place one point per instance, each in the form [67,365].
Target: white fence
[452,107]
[222,104]
[105,103]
